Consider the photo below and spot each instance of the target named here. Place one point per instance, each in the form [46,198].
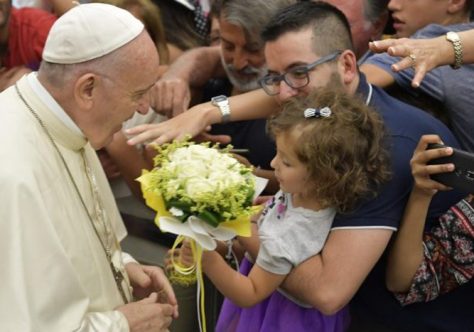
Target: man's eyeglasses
[296,78]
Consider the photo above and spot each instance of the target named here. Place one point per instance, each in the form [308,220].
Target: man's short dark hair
[331,31]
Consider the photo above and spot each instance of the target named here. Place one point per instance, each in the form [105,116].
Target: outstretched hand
[420,54]
[193,122]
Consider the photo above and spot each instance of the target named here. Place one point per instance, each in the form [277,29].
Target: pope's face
[124,92]
[294,49]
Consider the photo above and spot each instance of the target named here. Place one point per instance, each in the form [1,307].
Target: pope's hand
[148,315]
[151,279]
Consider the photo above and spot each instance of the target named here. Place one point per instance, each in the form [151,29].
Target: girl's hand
[186,256]
[421,171]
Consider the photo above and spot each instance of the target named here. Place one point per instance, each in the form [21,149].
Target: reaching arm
[328,281]
[243,291]
[197,66]
[251,105]
[406,254]
[377,76]
[429,53]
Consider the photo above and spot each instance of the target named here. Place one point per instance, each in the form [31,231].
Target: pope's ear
[84,90]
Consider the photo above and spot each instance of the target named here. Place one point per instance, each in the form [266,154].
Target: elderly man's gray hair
[251,15]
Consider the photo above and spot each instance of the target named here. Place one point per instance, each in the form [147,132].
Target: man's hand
[192,123]
[170,96]
[146,280]
[148,315]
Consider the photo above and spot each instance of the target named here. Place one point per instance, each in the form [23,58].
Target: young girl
[329,155]
[423,265]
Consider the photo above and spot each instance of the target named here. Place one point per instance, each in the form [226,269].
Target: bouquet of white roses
[200,191]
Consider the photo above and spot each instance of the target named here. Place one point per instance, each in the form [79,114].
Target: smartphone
[462,177]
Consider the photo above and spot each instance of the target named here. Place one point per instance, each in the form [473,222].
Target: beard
[335,82]
[245,79]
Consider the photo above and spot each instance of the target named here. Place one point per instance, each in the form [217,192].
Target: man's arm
[247,106]
[328,281]
[377,76]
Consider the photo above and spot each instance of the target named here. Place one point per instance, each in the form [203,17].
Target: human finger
[260,200]
[379,46]
[404,63]
[181,99]
[161,282]
[167,95]
[420,73]
[143,134]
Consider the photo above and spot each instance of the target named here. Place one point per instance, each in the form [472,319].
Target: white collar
[49,101]
[369,95]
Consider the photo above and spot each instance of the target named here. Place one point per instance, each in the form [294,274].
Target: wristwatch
[222,102]
[453,37]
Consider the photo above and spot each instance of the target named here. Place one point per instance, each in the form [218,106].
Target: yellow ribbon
[194,270]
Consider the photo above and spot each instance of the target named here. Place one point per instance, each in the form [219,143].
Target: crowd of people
[355,234]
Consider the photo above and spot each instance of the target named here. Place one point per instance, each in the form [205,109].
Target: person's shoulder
[436,30]
[404,120]
[32,16]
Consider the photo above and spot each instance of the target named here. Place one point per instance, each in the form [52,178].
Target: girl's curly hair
[345,153]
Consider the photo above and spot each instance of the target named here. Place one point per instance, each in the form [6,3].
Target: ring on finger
[412,57]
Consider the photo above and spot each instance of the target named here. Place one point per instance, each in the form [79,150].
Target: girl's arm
[242,290]
[407,251]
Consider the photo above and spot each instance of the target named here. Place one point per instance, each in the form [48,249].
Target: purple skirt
[277,314]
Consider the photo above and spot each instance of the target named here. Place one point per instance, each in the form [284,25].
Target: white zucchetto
[89,31]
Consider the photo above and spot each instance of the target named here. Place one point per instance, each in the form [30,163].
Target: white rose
[197,187]
[191,168]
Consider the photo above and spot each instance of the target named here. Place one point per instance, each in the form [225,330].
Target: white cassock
[54,274]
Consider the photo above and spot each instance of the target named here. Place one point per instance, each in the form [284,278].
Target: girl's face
[290,172]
